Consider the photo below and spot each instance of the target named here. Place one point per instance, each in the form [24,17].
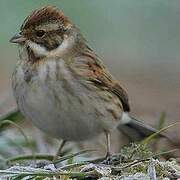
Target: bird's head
[46,32]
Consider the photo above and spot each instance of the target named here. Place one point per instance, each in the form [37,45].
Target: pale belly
[67,111]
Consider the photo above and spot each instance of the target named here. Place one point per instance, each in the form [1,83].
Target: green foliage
[135,152]
[13,115]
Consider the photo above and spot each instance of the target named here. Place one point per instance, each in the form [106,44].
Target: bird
[63,86]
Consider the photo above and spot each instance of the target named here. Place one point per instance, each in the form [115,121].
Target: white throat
[60,51]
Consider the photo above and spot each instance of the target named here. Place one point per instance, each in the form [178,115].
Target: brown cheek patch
[50,43]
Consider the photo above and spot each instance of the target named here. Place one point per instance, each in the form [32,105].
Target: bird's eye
[40,33]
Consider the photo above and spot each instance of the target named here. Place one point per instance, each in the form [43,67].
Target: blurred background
[139,41]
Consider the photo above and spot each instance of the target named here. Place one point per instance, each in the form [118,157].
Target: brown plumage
[100,76]
[62,85]
[44,15]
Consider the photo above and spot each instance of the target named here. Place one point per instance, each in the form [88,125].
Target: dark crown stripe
[44,14]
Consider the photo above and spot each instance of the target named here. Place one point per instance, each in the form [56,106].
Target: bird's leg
[59,150]
[108,144]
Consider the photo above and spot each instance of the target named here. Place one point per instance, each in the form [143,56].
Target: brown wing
[91,67]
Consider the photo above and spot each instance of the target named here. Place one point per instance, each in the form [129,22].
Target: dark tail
[135,129]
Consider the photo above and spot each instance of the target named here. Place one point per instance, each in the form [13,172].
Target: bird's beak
[18,38]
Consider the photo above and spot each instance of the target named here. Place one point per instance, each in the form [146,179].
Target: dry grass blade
[43,173]
[30,157]
[136,162]
[161,121]
[8,114]
[64,158]
[20,130]
[165,152]
[13,114]
[152,136]
[70,166]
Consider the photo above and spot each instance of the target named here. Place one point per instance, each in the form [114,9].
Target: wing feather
[90,67]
